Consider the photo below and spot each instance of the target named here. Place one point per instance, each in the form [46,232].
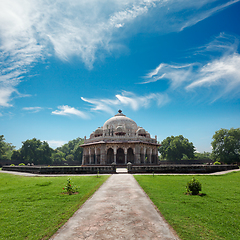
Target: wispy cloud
[30,31]
[66,110]
[223,71]
[128,99]
[205,14]
[33,109]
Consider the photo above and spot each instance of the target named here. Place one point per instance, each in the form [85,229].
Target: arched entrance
[147,156]
[92,157]
[98,156]
[130,155]
[120,156]
[110,156]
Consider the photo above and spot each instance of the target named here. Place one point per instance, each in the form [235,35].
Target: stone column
[90,156]
[83,157]
[102,155]
[137,159]
[150,160]
[144,154]
[125,155]
[95,152]
[115,155]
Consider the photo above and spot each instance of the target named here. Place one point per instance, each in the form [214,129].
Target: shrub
[70,188]
[21,164]
[12,165]
[217,163]
[193,186]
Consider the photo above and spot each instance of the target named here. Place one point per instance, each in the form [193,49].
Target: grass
[215,215]
[34,207]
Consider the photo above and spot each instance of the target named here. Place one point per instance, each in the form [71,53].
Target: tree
[204,155]
[16,156]
[58,157]
[37,152]
[226,145]
[72,151]
[5,149]
[174,148]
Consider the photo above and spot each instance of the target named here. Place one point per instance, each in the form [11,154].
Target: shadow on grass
[199,194]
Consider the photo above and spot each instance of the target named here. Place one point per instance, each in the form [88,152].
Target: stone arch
[97,156]
[154,156]
[110,156]
[92,156]
[130,155]
[120,159]
[147,156]
[86,156]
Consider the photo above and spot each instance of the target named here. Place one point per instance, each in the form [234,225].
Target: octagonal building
[120,141]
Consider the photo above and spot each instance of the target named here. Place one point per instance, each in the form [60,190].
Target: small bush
[193,187]
[21,164]
[217,163]
[70,188]
[12,165]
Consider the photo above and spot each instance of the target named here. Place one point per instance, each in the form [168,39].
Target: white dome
[120,120]
[119,129]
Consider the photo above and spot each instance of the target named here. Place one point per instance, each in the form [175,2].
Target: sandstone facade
[120,141]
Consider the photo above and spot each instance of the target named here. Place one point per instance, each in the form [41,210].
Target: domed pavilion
[120,141]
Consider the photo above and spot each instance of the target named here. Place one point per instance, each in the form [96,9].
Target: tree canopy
[204,155]
[226,145]
[174,148]
[5,149]
[69,153]
[37,152]
[40,153]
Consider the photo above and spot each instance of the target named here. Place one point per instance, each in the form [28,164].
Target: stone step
[121,170]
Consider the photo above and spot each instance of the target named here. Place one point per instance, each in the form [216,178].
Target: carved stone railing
[180,168]
[120,138]
[62,169]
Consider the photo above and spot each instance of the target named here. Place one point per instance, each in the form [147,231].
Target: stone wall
[196,161]
[191,168]
[62,170]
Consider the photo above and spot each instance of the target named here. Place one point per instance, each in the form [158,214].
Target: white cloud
[223,71]
[5,94]
[33,109]
[30,31]
[65,110]
[55,143]
[127,99]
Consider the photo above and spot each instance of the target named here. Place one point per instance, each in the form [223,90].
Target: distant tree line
[36,152]
[225,149]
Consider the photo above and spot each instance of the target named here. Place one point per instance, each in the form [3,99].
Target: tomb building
[120,140]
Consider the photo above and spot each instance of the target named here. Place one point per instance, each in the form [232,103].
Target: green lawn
[213,216]
[34,207]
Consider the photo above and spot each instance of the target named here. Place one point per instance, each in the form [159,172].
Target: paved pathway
[118,210]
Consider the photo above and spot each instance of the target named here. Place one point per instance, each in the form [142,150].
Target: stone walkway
[118,210]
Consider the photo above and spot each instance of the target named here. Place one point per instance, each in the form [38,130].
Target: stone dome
[120,120]
[141,131]
[98,132]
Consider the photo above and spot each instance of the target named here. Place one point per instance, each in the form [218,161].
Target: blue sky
[68,66]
